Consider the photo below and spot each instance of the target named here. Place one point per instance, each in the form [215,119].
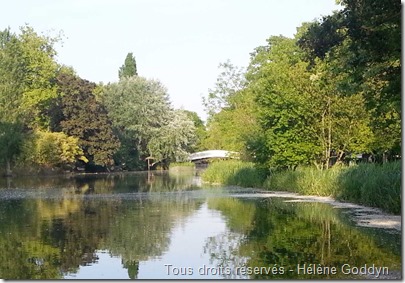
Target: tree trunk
[384,157]
[8,168]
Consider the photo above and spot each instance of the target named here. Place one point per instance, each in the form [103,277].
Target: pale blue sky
[179,42]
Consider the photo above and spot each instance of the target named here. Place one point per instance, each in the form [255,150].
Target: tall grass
[305,180]
[376,185]
[372,185]
[234,172]
[368,184]
[181,166]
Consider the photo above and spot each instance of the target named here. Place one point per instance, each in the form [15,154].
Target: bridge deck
[211,154]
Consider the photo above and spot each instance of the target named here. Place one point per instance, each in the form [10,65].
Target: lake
[165,225]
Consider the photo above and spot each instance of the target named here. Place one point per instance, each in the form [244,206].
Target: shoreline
[364,216]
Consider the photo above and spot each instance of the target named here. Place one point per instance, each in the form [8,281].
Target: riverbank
[362,215]
[371,185]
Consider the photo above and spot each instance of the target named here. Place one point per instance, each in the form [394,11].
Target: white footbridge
[212,154]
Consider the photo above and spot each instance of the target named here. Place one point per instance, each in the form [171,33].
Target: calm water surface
[166,225]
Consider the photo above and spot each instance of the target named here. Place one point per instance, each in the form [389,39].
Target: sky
[179,42]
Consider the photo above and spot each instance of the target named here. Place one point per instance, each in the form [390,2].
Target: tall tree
[27,72]
[83,117]
[230,80]
[365,40]
[173,140]
[231,121]
[304,118]
[200,131]
[138,108]
[27,75]
[11,137]
[129,67]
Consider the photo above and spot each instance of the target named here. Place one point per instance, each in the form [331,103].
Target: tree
[200,131]
[129,67]
[173,140]
[83,117]
[11,137]
[27,76]
[27,69]
[365,41]
[279,79]
[11,77]
[230,80]
[235,126]
[51,150]
[231,110]
[304,118]
[344,123]
[138,109]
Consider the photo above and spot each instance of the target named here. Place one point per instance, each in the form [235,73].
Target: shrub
[51,149]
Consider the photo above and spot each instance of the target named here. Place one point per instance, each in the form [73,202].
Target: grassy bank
[234,172]
[372,185]
[181,166]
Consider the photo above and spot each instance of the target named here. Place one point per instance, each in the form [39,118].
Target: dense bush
[51,149]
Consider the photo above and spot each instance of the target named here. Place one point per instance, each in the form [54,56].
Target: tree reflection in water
[51,227]
[61,224]
[275,233]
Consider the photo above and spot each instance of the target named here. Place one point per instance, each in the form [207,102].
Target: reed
[305,180]
[181,164]
[180,167]
[234,172]
[376,185]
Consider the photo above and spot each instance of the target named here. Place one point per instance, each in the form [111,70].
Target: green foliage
[304,118]
[182,164]
[232,122]
[51,150]
[230,81]
[11,138]
[27,72]
[234,172]
[83,117]
[137,106]
[173,140]
[181,167]
[376,185]
[140,110]
[286,103]
[127,156]
[11,77]
[306,181]
[364,41]
[278,233]
[200,131]
[368,184]
[129,67]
